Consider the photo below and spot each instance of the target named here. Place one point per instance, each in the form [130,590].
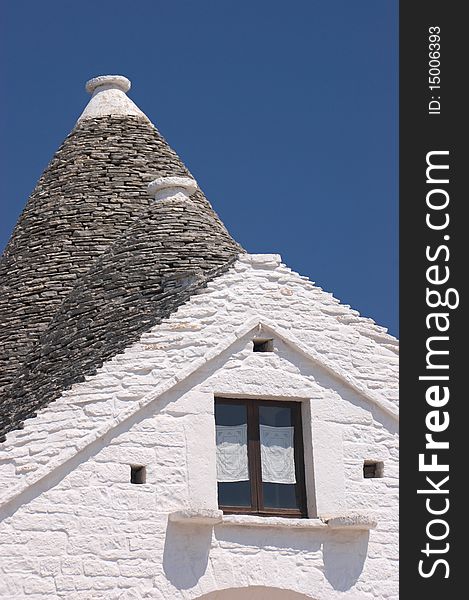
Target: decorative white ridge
[169,187]
[109,98]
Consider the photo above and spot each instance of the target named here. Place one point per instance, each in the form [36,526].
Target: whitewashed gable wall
[73,525]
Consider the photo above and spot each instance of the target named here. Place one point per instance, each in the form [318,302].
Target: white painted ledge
[354,521]
[216,517]
[257,521]
[199,516]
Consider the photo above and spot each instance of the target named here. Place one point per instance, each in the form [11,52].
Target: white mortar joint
[170,187]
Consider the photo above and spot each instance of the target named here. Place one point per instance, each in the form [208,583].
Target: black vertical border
[420,133]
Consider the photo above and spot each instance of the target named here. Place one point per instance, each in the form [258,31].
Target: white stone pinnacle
[169,187]
[109,98]
[118,82]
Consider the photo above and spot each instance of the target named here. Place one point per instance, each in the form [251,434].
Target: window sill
[355,521]
[351,521]
[197,516]
[284,522]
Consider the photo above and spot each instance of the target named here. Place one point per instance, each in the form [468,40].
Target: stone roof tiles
[92,262]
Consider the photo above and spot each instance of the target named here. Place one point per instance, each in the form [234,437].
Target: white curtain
[232,453]
[277,454]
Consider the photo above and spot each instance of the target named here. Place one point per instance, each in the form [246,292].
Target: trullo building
[181,419]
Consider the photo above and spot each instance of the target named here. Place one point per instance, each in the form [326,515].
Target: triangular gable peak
[254,298]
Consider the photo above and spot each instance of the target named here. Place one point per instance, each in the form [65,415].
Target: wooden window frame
[254,460]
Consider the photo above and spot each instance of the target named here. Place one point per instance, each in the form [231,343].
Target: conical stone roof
[93,261]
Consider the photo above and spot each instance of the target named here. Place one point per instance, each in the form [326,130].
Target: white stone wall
[74,527]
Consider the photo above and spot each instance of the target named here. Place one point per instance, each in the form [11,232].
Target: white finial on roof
[170,187]
[109,98]
[117,82]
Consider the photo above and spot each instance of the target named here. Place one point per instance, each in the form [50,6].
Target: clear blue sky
[285,112]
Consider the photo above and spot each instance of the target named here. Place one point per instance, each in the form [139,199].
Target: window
[260,467]
[373,469]
[138,474]
[263,345]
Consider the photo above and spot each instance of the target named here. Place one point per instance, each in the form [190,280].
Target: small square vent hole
[373,469]
[263,345]
[138,474]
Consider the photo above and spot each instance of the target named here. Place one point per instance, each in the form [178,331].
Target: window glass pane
[279,495]
[277,456]
[275,416]
[230,414]
[234,493]
[234,488]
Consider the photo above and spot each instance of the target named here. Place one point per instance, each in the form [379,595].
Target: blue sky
[286,114]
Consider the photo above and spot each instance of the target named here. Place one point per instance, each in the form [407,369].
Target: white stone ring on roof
[164,187]
[110,81]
